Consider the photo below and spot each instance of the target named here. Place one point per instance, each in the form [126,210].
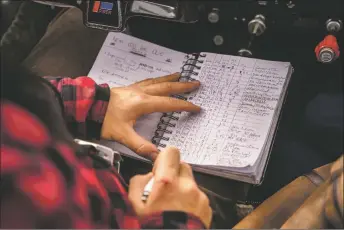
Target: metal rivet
[218,40]
[213,16]
[290,4]
[333,26]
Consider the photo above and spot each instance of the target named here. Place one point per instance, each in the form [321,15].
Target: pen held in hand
[147,190]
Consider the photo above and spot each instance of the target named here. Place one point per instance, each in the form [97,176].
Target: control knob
[257,25]
[327,50]
[333,26]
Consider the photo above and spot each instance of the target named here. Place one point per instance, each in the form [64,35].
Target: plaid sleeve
[48,184]
[85,104]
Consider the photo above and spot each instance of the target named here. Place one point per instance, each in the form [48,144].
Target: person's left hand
[129,103]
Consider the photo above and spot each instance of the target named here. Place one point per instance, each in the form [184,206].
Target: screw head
[218,40]
[213,17]
[333,26]
[326,55]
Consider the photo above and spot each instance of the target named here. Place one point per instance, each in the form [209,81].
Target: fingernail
[153,156]
[196,82]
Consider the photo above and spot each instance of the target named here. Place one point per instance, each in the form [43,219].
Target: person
[66,50]
[47,181]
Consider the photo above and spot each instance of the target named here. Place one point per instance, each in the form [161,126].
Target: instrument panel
[281,13]
[242,27]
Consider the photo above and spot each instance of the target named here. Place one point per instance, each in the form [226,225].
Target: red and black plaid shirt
[45,184]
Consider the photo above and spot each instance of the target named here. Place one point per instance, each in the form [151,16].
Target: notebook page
[238,97]
[123,60]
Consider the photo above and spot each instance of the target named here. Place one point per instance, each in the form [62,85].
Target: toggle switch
[327,50]
[333,26]
[257,25]
[218,40]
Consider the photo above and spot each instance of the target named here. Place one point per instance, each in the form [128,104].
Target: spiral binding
[169,120]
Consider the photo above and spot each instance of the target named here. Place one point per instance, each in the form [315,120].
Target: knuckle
[162,179]
[169,86]
[121,138]
[186,166]
[142,96]
[191,188]
[140,149]
[177,102]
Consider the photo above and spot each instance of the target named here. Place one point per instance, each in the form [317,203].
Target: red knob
[327,50]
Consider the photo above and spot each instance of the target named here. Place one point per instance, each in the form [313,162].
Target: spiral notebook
[241,100]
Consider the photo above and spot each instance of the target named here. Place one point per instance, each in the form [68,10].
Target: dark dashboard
[243,27]
[308,33]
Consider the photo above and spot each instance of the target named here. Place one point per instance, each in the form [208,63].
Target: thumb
[136,187]
[140,145]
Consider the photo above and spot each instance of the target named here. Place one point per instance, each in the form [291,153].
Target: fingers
[150,81]
[166,166]
[185,171]
[170,88]
[169,104]
[136,187]
[138,144]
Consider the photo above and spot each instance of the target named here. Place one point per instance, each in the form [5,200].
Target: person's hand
[174,189]
[129,103]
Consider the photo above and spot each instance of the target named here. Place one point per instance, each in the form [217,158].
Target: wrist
[101,104]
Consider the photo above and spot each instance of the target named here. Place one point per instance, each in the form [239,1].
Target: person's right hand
[174,189]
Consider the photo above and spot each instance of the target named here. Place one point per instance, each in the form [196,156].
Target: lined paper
[123,60]
[238,97]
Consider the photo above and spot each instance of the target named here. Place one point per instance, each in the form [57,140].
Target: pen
[147,190]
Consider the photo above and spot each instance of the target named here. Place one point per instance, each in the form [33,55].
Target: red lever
[327,50]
